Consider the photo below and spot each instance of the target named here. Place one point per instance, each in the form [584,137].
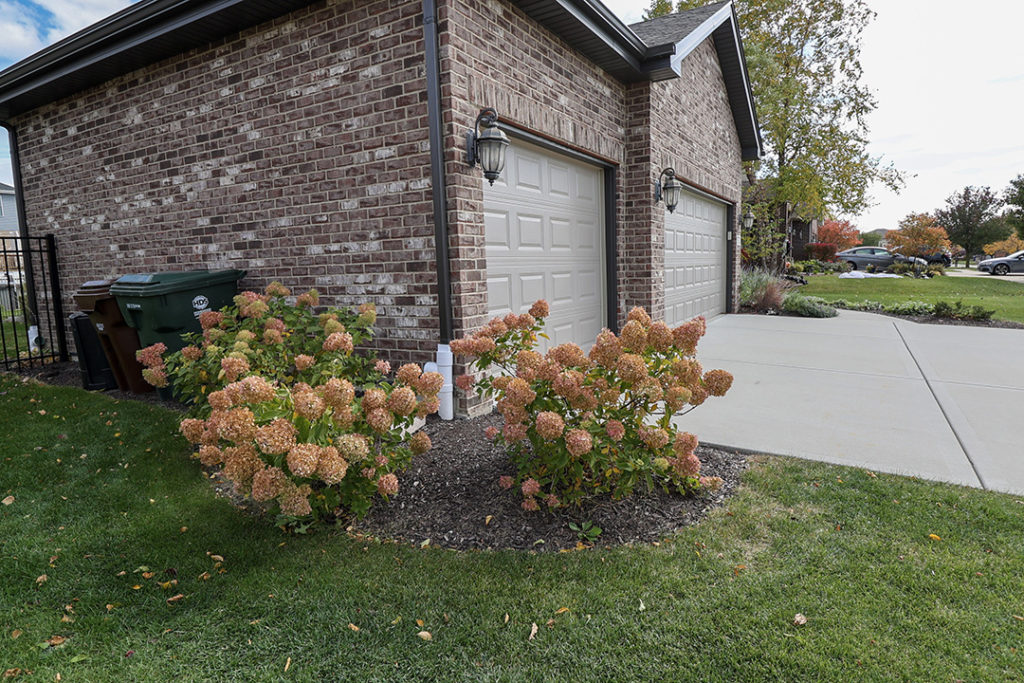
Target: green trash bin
[164,306]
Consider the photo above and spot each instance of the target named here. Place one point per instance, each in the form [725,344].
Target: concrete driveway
[940,402]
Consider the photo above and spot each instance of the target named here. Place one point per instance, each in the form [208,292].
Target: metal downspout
[19,200]
[437,175]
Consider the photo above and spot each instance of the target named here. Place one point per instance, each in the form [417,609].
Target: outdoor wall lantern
[748,219]
[487,146]
[669,189]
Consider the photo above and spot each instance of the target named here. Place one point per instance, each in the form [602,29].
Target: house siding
[8,213]
[296,149]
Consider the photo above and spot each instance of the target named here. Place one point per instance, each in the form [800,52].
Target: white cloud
[73,15]
[20,30]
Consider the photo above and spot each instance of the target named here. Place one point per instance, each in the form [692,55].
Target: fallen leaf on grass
[1015,616]
[217,558]
[550,623]
[425,635]
[110,607]
[175,598]
[935,537]
[738,568]
[14,673]
[16,633]
[353,627]
[67,619]
[533,631]
[642,606]
[396,620]
[799,619]
[148,575]
[561,610]
[506,617]
[205,576]
[8,500]
[419,622]
[41,579]
[55,641]
[288,664]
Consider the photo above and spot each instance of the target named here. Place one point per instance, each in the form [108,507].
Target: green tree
[805,72]
[871,239]
[1014,199]
[658,8]
[971,218]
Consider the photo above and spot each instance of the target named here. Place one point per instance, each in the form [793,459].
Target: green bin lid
[155,284]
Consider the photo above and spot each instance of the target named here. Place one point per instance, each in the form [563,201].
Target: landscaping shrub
[579,425]
[936,269]
[262,334]
[816,267]
[900,268]
[310,434]
[959,311]
[807,306]
[821,251]
[761,290]
[909,308]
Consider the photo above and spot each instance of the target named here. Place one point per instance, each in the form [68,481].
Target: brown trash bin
[119,341]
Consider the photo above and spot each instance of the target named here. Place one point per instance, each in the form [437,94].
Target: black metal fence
[32,330]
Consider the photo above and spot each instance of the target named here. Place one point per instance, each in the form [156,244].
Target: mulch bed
[449,492]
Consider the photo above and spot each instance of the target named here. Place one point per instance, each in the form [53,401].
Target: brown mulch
[449,492]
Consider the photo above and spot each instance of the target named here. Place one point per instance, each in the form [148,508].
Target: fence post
[58,299]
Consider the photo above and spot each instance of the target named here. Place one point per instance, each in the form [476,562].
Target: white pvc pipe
[444,366]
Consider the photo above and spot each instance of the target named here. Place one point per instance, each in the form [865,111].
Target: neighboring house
[8,211]
[323,144]
[804,232]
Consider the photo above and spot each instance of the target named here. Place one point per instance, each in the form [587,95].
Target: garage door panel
[552,247]
[695,259]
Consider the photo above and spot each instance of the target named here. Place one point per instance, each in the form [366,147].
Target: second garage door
[695,259]
[545,235]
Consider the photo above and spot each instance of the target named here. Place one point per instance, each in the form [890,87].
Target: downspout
[440,198]
[28,286]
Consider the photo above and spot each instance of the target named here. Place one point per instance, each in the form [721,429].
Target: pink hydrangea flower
[505,482]
[531,487]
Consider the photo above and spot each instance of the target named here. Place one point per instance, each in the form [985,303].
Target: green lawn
[1006,298]
[10,331]
[103,492]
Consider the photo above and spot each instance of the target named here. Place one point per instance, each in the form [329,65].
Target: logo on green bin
[200,304]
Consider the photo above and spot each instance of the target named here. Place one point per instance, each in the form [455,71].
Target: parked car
[942,258]
[862,257]
[1014,263]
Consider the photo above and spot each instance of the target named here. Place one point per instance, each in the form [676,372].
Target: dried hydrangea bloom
[303,458]
[550,425]
[420,443]
[519,393]
[237,425]
[551,500]
[254,309]
[244,336]
[380,420]
[275,324]
[528,374]
[339,393]
[369,473]
[294,500]
[494,328]
[338,341]
[530,487]
[528,359]
[465,382]
[192,429]
[155,377]
[505,482]
[381,460]
[367,315]
[408,373]
[685,444]
[606,349]
[276,438]
[210,455]
[653,437]
[699,395]
[373,399]
[333,326]
[402,401]
[304,362]
[429,383]
[331,467]
[615,430]
[219,400]
[650,389]
[192,353]
[428,406]
[275,288]
[631,368]
[344,417]
[568,355]
[325,318]
[659,336]
[711,483]
[676,398]
[272,337]
[491,432]
[578,442]
[387,485]
[310,298]
[308,404]
[255,389]
[382,366]
[689,333]
[686,371]
[234,367]
[210,319]
[639,315]
[268,484]
[585,400]
[568,384]
[530,505]
[209,437]
[687,465]
[539,309]
[633,336]
[241,463]
[514,432]
[549,370]
[353,446]
[717,382]
[609,397]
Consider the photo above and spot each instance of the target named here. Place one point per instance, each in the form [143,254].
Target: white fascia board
[698,35]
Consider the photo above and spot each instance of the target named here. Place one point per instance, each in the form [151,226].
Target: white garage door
[545,240]
[695,253]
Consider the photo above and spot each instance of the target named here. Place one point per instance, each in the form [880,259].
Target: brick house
[323,144]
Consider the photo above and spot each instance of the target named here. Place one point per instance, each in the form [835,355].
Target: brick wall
[296,149]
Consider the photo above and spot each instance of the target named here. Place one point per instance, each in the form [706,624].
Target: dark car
[942,258]
[860,258]
[1014,263]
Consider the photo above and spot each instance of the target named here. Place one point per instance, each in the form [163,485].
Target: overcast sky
[948,76]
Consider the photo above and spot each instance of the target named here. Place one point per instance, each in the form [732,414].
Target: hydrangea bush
[577,424]
[293,417]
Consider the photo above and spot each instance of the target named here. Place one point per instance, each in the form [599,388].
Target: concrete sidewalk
[940,402]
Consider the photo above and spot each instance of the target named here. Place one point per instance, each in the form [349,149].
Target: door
[695,258]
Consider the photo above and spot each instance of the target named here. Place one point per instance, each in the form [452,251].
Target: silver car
[1014,263]
[862,257]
